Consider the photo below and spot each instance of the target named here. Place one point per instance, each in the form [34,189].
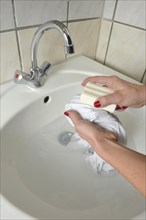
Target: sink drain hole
[46,99]
[65,137]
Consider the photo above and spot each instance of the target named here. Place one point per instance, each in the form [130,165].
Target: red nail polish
[66,113]
[16,75]
[118,107]
[124,107]
[97,104]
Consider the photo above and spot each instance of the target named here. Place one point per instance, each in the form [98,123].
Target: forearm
[129,163]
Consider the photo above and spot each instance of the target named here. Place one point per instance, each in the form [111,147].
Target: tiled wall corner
[9,58]
[83,24]
[85,40]
[120,45]
[125,42]
[21,18]
[126,51]
[105,29]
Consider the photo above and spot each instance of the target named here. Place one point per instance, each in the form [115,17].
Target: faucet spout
[36,77]
[69,48]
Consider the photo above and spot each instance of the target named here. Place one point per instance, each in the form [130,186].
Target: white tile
[37,12]
[109,9]
[126,51]
[85,40]
[9,56]
[131,12]
[6,15]
[85,9]
[50,48]
[103,40]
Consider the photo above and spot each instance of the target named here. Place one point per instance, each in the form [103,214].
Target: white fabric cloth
[102,118]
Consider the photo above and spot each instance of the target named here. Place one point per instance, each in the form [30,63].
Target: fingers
[89,131]
[105,80]
[74,116]
[111,82]
[113,98]
[121,108]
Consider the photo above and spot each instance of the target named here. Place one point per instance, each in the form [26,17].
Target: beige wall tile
[25,39]
[85,36]
[50,48]
[9,59]
[126,51]
[103,40]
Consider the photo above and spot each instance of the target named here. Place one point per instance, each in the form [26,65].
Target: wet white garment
[102,118]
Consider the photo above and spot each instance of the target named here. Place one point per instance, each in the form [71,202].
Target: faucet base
[35,79]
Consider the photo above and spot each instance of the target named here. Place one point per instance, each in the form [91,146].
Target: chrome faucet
[37,74]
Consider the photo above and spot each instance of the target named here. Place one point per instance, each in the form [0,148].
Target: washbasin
[41,177]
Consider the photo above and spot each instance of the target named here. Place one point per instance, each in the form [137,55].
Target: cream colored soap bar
[92,92]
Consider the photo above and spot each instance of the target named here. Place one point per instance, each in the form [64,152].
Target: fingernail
[118,107]
[66,113]
[121,108]
[124,107]
[16,75]
[97,104]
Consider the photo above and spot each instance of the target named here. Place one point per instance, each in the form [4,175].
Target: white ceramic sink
[43,179]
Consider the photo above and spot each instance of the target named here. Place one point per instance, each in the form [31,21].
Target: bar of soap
[92,92]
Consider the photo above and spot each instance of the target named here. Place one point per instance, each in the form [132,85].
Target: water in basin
[59,175]
[39,168]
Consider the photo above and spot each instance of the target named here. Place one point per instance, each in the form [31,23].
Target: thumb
[114,98]
[74,116]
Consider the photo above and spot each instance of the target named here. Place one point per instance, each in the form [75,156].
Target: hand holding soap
[92,92]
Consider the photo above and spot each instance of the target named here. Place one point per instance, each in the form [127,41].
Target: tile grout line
[37,25]
[67,13]
[110,34]
[142,78]
[73,21]
[128,25]
[97,43]
[17,37]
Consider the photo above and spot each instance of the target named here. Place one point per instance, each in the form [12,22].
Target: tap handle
[45,67]
[18,77]
[35,78]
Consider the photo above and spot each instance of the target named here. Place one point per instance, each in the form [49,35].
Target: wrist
[101,146]
[139,96]
[109,151]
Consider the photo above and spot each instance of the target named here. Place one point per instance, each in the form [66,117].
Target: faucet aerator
[69,49]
